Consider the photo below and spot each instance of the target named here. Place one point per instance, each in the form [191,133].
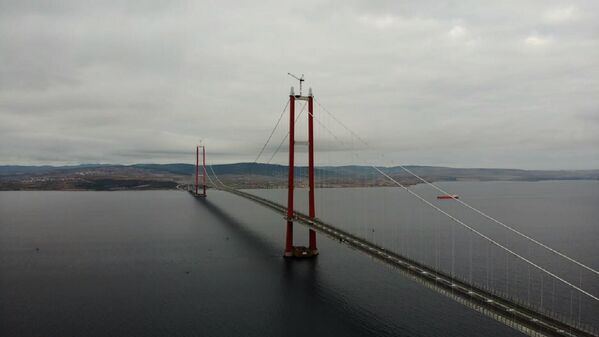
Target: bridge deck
[503,310]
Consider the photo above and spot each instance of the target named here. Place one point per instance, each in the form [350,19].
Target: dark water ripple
[164,264]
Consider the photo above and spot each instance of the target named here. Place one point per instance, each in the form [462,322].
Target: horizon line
[283,165]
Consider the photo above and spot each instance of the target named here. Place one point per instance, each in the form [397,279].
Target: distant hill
[437,172]
[45,169]
[225,169]
[450,174]
[250,175]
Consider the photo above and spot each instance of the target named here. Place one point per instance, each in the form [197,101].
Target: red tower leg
[204,166]
[312,210]
[197,167]
[289,235]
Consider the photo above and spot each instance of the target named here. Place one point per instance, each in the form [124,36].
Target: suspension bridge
[509,305]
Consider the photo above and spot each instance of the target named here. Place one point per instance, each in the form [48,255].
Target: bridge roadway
[503,310]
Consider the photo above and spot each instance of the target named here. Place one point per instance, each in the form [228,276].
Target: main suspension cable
[216,177]
[486,237]
[467,226]
[272,132]
[210,179]
[287,135]
[466,204]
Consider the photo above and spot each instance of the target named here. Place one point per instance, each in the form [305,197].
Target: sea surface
[162,263]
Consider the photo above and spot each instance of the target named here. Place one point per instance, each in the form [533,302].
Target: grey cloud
[510,84]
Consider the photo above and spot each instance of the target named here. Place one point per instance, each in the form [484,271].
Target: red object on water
[448,196]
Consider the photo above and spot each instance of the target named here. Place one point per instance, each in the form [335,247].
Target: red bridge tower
[203,194]
[290,249]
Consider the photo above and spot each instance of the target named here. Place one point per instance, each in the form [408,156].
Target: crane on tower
[300,79]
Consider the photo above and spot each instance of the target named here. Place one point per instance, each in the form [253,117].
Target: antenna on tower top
[300,79]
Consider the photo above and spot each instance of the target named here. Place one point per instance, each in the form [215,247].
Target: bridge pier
[289,240]
[290,249]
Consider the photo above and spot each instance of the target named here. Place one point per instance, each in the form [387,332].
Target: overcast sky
[457,83]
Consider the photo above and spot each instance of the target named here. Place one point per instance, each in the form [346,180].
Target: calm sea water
[161,263]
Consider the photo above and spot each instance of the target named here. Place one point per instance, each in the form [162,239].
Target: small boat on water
[448,196]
